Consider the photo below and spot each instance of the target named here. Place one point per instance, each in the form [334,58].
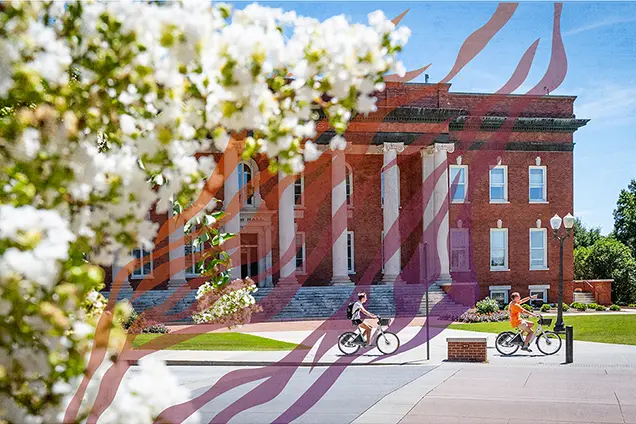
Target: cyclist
[357,320]
[515,309]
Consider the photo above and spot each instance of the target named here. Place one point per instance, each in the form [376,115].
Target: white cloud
[607,103]
[599,24]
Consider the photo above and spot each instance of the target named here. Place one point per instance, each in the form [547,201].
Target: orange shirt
[515,314]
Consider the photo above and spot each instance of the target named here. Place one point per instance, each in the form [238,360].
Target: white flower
[311,152]
[338,142]
[127,124]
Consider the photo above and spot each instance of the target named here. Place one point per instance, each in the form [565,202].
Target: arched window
[349,184]
[245,176]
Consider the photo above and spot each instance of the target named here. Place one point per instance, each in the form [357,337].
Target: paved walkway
[587,353]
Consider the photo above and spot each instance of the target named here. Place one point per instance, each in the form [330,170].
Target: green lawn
[619,329]
[218,341]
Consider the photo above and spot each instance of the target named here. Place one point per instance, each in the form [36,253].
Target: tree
[108,109]
[608,258]
[625,217]
[583,236]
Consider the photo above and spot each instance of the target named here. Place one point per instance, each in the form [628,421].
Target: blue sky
[600,43]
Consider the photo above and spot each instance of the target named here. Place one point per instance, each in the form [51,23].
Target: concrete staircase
[307,303]
[584,297]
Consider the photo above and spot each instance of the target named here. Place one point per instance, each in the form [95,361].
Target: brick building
[456,188]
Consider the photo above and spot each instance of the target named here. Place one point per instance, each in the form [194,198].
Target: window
[459,249]
[194,253]
[245,176]
[144,258]
[541,291]
[499,184]
[458,183]
[350,253]
[299,191]
[537,184]
[349,185]
[538,251]
[382,187]
[499,249]
[500,294]
[300,253]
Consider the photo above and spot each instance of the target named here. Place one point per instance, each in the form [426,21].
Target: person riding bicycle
[515,309]
[357,320]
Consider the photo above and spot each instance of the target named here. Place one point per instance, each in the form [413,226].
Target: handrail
[596,295]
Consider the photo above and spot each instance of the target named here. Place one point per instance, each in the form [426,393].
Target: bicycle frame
[374,333]
[538,331]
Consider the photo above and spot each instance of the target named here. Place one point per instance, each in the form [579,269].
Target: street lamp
[555,223]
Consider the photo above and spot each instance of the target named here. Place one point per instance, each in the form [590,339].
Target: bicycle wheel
[549,342]
[504,343]
[387,343]
[346,343]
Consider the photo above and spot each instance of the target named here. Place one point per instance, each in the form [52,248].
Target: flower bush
[108,109]
[487,306]
[473,315]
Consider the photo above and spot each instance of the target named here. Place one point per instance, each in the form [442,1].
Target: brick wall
[467,349]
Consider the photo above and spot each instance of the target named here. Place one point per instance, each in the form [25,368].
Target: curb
[212,363]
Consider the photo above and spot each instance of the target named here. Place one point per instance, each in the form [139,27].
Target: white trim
[464,168]
[505,184]
[545,184]
[301,203]
[382,250]
[302,270]
[193,251]
[255,199]
[539,287]
[495,288]
[382,187]
[544,231]
[352,269]
[504,267]
[349,173]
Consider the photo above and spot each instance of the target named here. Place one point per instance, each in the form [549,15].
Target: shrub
[596,307]
[545,307]
[527,307]
[614,308]
[565,307]
[579,306]
[158,328]
[632,305]
[131,319]
[487,306]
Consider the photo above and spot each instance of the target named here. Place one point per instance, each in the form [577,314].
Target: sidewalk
[585,353]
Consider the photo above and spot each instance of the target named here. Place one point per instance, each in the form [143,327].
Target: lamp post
[555,223]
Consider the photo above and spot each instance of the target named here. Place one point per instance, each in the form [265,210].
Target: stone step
[584,297]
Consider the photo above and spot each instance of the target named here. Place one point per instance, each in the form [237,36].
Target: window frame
[351,237]
[506,265]
[545,248]
[540,288]
[349,185]
[242,187]
[143,275]
[545,184]
[467,249]
[191,270]
[500,289]
[464,169]
[505,184]
[302,270]
[299,182]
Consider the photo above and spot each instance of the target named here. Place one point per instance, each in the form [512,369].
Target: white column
[232,208]
[429,235]
[442,204]
[340,272]
[176,254]
[286,230]
[391,212]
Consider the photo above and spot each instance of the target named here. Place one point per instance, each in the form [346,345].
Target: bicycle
[387,343]
[548,342]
